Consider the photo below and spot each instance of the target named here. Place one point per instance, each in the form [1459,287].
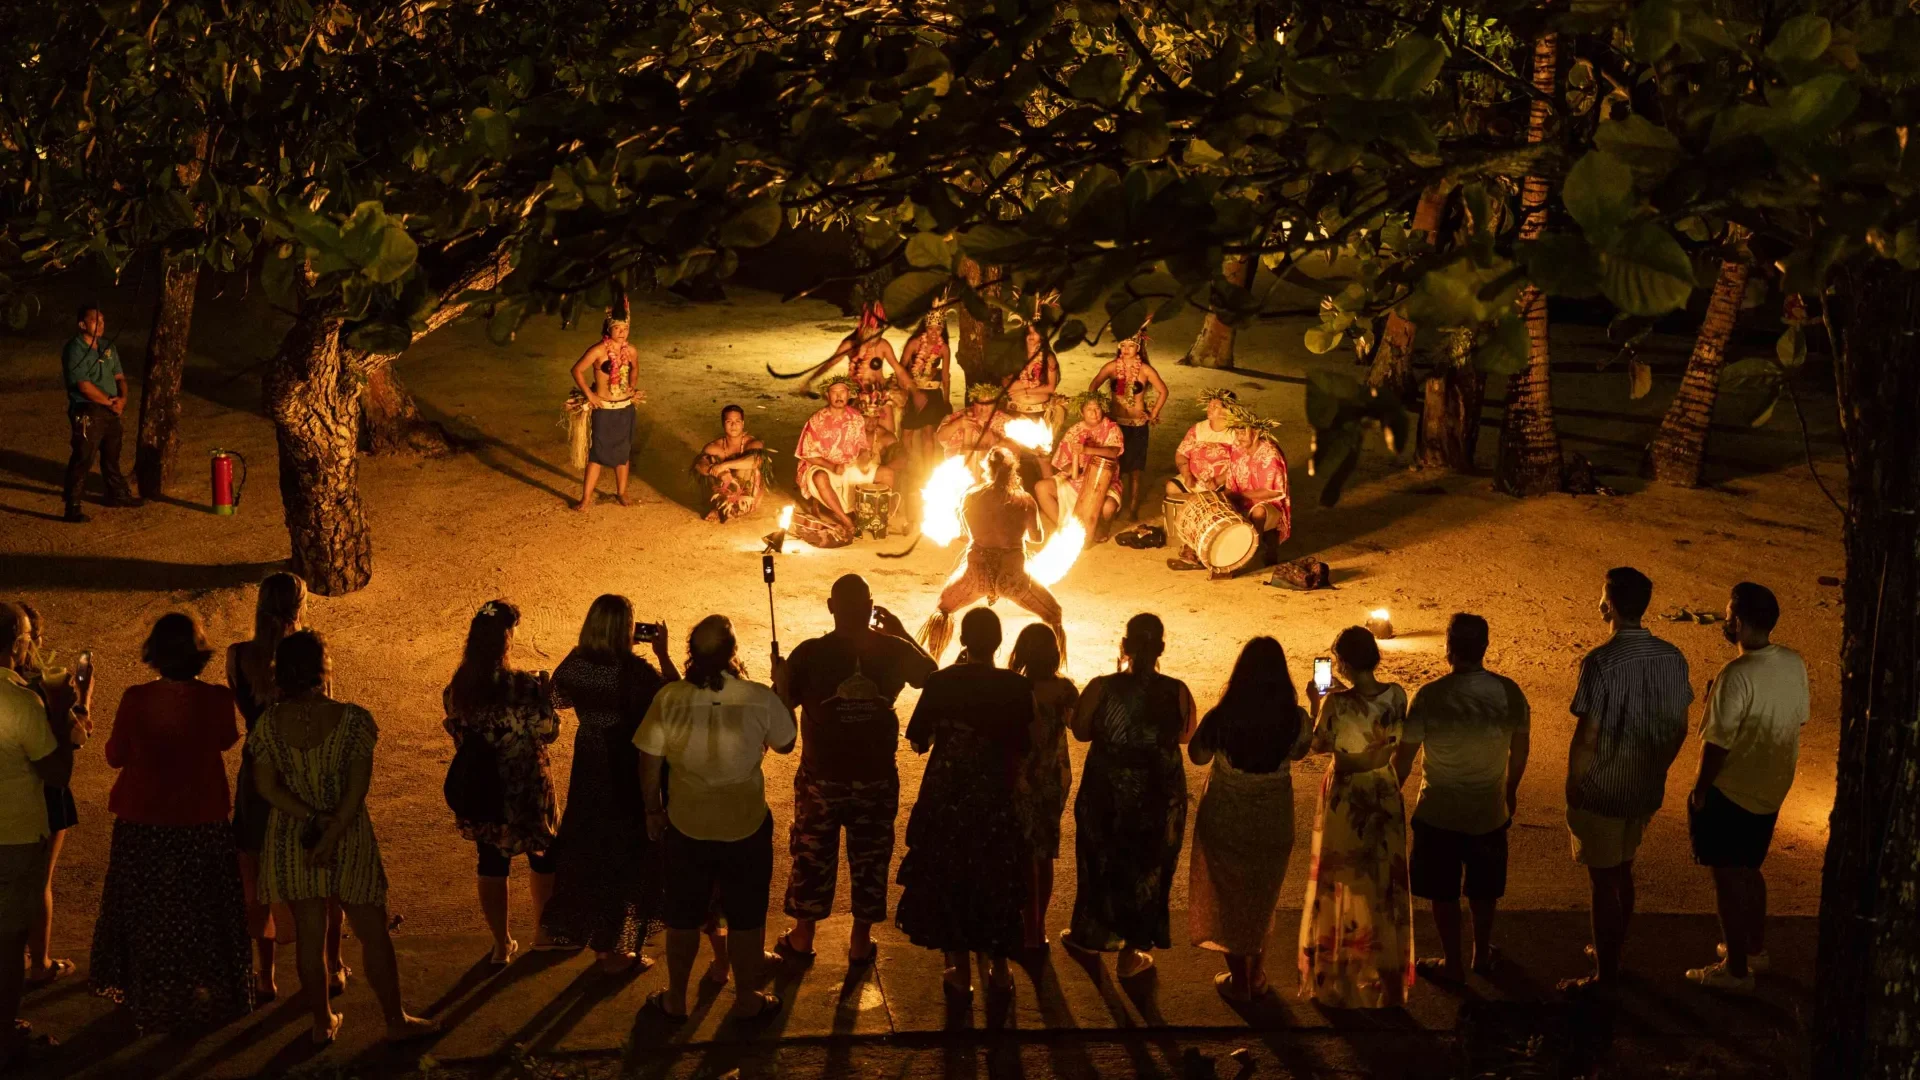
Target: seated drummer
[978,428]
[732,467]
[835,456]
[1096,435]
[1232,452]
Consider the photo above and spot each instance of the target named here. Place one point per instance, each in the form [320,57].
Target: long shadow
[47,472]
[28,513]
[591,990]
[250,1033]
[525,967]
[105,573]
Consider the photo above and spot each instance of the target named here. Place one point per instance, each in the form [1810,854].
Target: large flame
[786,518]
[1032,434]
[940,500]
[1053,561]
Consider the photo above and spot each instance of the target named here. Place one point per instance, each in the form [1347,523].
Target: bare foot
[620,963]
[581,506]
[622,496]
[716,975]
[411,1027]
[503,956]
[323,1036]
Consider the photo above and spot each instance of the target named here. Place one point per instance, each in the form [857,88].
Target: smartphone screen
[1322,672]
[766,568]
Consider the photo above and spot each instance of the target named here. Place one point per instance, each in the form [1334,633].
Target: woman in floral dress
[1356,932]
[1047,773]
[512,711]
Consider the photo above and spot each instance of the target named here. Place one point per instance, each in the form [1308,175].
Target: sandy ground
[450,534]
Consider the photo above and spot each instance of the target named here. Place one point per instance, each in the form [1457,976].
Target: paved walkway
[556,1003]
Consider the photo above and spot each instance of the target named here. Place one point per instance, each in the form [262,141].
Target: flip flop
[1434,969]
[657,1001]
[513,949]
[769,1006]
[1136,972]
[1491,964]
[788,954]
[56,970]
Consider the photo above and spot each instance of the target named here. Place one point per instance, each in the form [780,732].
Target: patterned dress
[519,728]
[1131,815]
[318,778]
[1356,932]
[607,874]
[1048,768]
[1242,839]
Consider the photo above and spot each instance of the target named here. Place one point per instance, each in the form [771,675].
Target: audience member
[1243,829]
[313,761]
[1630,708]
[710,730]
[512,713]
[963,880]
[1474,728]
[1356,927]
[36,750]
[844,684]
[1131,813]
[170,942]
[277,611]
[607,875]
[1047,774]
[1749,748]
[43,969]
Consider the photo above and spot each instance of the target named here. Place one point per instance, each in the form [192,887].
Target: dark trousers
[96,432]
[821,808]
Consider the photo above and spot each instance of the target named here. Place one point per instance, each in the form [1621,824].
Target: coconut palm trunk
[1393,358]
[1680,445]
[1530,461]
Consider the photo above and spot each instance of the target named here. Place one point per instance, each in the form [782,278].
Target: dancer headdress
[1220,394]
[983,393]
[1098,397]
[839,380]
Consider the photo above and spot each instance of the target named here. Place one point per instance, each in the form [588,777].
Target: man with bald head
[844,684]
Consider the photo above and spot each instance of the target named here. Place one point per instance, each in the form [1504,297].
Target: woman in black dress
[1131,813]
[964,873]
[606,884]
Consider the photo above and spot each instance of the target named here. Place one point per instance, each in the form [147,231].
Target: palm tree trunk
[1681,443]
[1530,461]
[157,446]
[1393,358]
[1213,347]
[314,402]
[1450,417]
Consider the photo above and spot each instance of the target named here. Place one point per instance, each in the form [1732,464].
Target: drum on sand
[873,509]
[1220,536]
[1096,480]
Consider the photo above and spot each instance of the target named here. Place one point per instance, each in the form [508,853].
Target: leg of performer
[1047,493]
[620,484]
[824,494]
[962,589]
[587,486]
[1038,599]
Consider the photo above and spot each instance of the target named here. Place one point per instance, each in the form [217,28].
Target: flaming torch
[940,500]
[1032,434]
[1052,561]
[777,539]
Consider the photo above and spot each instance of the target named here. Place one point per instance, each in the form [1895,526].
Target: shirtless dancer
[1000,517]
[875,370]
[1139,393]
[732,466]
[612,396]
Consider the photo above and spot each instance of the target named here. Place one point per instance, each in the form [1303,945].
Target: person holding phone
[43,968]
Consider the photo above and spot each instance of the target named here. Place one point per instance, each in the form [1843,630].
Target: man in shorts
[1749,748]
[1630,709]
[1474,728]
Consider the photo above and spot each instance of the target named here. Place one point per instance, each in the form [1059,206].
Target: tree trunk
[314,402]
[971,352]
[1530,462]
[1393,359]
[1866,1020]
[1213,348]
[1450,418]
[1682,440]
[157,445]
[391,422]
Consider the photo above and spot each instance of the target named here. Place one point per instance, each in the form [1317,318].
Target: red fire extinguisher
[226,488]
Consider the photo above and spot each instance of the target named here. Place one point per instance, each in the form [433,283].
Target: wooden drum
[1219,535]
[873,509]
[1096,480]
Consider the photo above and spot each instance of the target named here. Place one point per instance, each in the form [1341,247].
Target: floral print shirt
[1217,458]
[835,436]
[1071,455]
[519,728]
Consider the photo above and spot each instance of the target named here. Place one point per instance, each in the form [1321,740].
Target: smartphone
[878,612]
[644,632]
[766,567]
[83,670]
[1323,672]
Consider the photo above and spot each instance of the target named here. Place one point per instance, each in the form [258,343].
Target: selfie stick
[773,626]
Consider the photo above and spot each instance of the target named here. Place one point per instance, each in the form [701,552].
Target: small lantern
[1380,624]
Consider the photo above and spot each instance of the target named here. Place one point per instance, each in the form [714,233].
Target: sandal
[513,949]
[56,970]
[788,954]
[1146,965]
[855,963]
[1489,963]
[1434,969]
[769,1007]
[657,1001]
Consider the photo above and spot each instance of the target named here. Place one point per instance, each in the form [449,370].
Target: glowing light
[1058,556]
[1381,614]
[786,518]
[1380,624]
[940,500]
[1032,434]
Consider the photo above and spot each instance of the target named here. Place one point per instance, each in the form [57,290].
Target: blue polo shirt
[82,362]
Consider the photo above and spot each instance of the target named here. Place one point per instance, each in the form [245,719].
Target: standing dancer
[1032,391]
[925,374]
[1139,393]
[999,517]
[612,396]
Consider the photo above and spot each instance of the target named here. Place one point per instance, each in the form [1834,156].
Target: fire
[1053,561]
[940,500]
[1380,614]
[1032,434]
[786,518]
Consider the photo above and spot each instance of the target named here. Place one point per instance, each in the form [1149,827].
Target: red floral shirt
[835,436]
[1071,455]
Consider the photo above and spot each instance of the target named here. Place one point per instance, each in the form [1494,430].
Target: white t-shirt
[1755,709]
[25,737]
[713,741]
[1466,723]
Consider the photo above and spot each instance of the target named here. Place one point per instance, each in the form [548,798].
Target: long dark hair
[1258,717]
[1036,653]
[277,610]
[712,653]
[481,678]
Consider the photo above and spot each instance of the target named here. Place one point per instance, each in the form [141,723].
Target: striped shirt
[1634,691]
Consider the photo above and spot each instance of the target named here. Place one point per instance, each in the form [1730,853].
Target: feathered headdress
[873,315]
[1242,418]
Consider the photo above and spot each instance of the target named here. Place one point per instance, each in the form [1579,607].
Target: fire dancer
[611,396]
[1232,451]
[1094,437]
[999,517]
[733,468]
[835,456]
[978,428]
[1139,393]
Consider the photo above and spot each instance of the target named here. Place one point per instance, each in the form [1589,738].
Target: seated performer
[612,397]
[835,456]
[873,368]
[1095,436]
[976,429]
[1138,396]
[999,518]
[1232,451]
[1032,391]
[732,467]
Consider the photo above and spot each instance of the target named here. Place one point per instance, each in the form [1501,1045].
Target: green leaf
[1640,143]
[277,276]
[993,245]
[1801,40]
[1330,155]
[1130,318]
[1324,339]
[1755,373]
[908,296]
[492,130]
[1639,379]
[1765,412]
[1404,70]
[1200,152]
[394,256]
[1006,353]
[1098,79]
[757,222]
[1646,272]
[929,251]
[1655,28]
[1599,193]
[1505,350]
[1328,392]
[1815,107]
[1072,334]
[1144,136]
[1791,349]
[381,339]
[1560,264]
